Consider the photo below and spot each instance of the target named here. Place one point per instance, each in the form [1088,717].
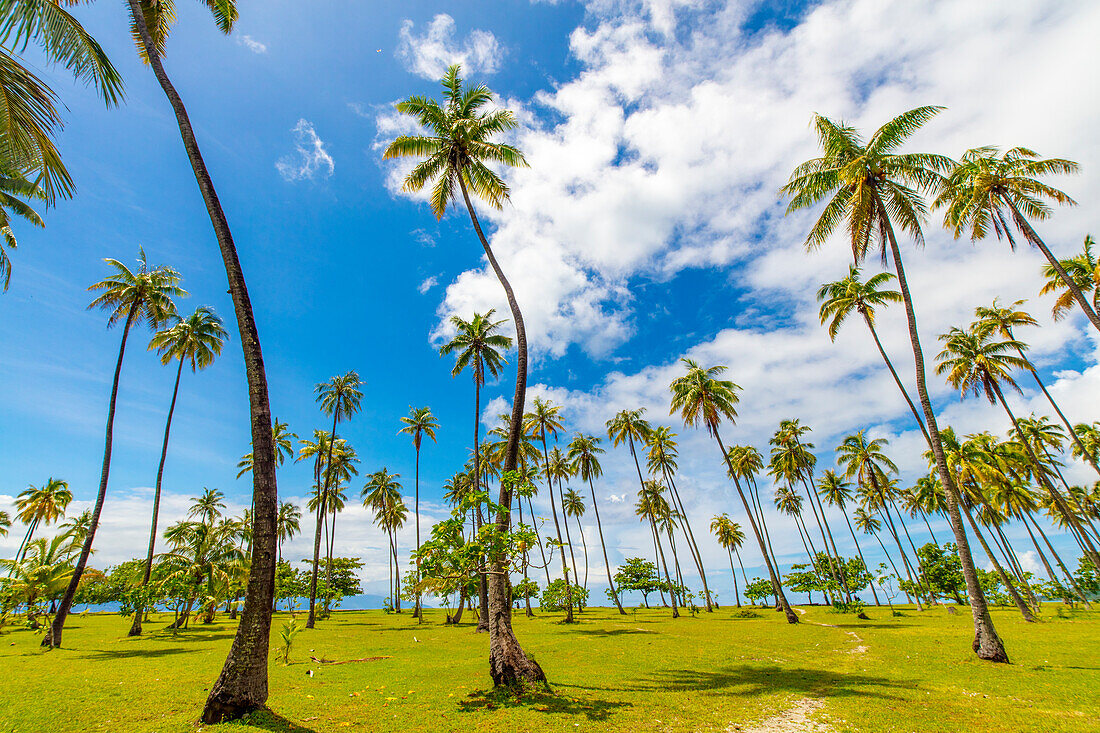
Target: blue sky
[647,228]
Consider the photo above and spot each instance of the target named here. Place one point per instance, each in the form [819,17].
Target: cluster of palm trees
[875,190]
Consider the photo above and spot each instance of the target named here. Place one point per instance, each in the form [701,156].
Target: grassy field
[609,673]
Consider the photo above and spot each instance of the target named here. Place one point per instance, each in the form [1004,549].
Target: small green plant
[290,630]
[746,613]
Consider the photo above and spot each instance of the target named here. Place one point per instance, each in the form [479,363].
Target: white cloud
[430,53]
[310,159]
[429,282]
[251,44]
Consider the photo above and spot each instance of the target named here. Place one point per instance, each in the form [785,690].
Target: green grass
[609,673]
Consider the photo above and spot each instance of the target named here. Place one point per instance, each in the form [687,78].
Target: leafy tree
[803,578]
[197,340]
[141,297]
[556,596]
[759,589]
[638,575]
[290,584]
[455,155]
[525,590]
[872,187]
[942,570]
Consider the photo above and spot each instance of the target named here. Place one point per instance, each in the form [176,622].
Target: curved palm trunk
[884,512]
[53,637]
[1069,492]
[1024,610]
[898,382]
[242,685]
[781,599]
[987,644]
[1013,561]
[542,550]
[557,530]
[508,664]
[322,508]
[568,538]
[823,526]
[1058,559]
[888,559]
[603,546]
[755,494]
[693,547]
[1033,237]
[1040,474]
[135,628]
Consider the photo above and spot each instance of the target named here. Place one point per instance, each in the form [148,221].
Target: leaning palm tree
[731,537]
[874,188]
[142,297]
[37,505]
[544,419]
[1004,319]
[340,397]
[419,423]
[1083,270]
[976,363]
[837,492]
[583,452]
[702,397]
[986,189]
[454,153]
[197,340]
[653,507]
[851,295]
[573,506]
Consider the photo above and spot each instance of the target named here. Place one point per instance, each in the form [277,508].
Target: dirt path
[795,719]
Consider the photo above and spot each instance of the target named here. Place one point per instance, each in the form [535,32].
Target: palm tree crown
[701,397]
[841,298]
[146,292]
[198,339]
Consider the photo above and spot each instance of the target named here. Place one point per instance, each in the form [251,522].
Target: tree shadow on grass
[105,654]
[187,635]
[749,681]
[613,632]
[541,702]
[270,721]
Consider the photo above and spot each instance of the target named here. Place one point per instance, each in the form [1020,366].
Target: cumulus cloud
[251,44]
[309,160]
[428,54]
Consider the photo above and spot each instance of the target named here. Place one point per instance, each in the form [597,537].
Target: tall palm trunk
[1009,587]
[542,550]
[897,380]
[1040,475]
[780,598]
[603,546]
[328,558]
[859,552]
[1069,492]
[508,664]
[692,545]
[755,494]
[418,611]
[568,537]
[884,512]
[661,558]
[135,628]
[987,644]
[733,574]
[1032,236]
[242,685]
[526,595]
[52,638]
[807,480]
[557,530]
[322,507]
[1058,559]
[584,546]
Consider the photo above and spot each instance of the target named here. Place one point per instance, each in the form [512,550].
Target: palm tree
[42,574]
[340,397]
[874,187]
[455,153]
[583,452]
[208,506]
[1005,318]
[975,363]
[5,523]
[661,460]
[287,523]
[746,461]
[382,495]
[543,419]
[418,423]
[40,504]
[197,339]
[206,554]
[282,441]
[653,507]
[142,297]
[731,537]
[477,344]
[573,506]
[841,298]
[31,166]
[701,397]
[835,491]
[342,464]
[562,469]
[1084,270]
[987,189]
